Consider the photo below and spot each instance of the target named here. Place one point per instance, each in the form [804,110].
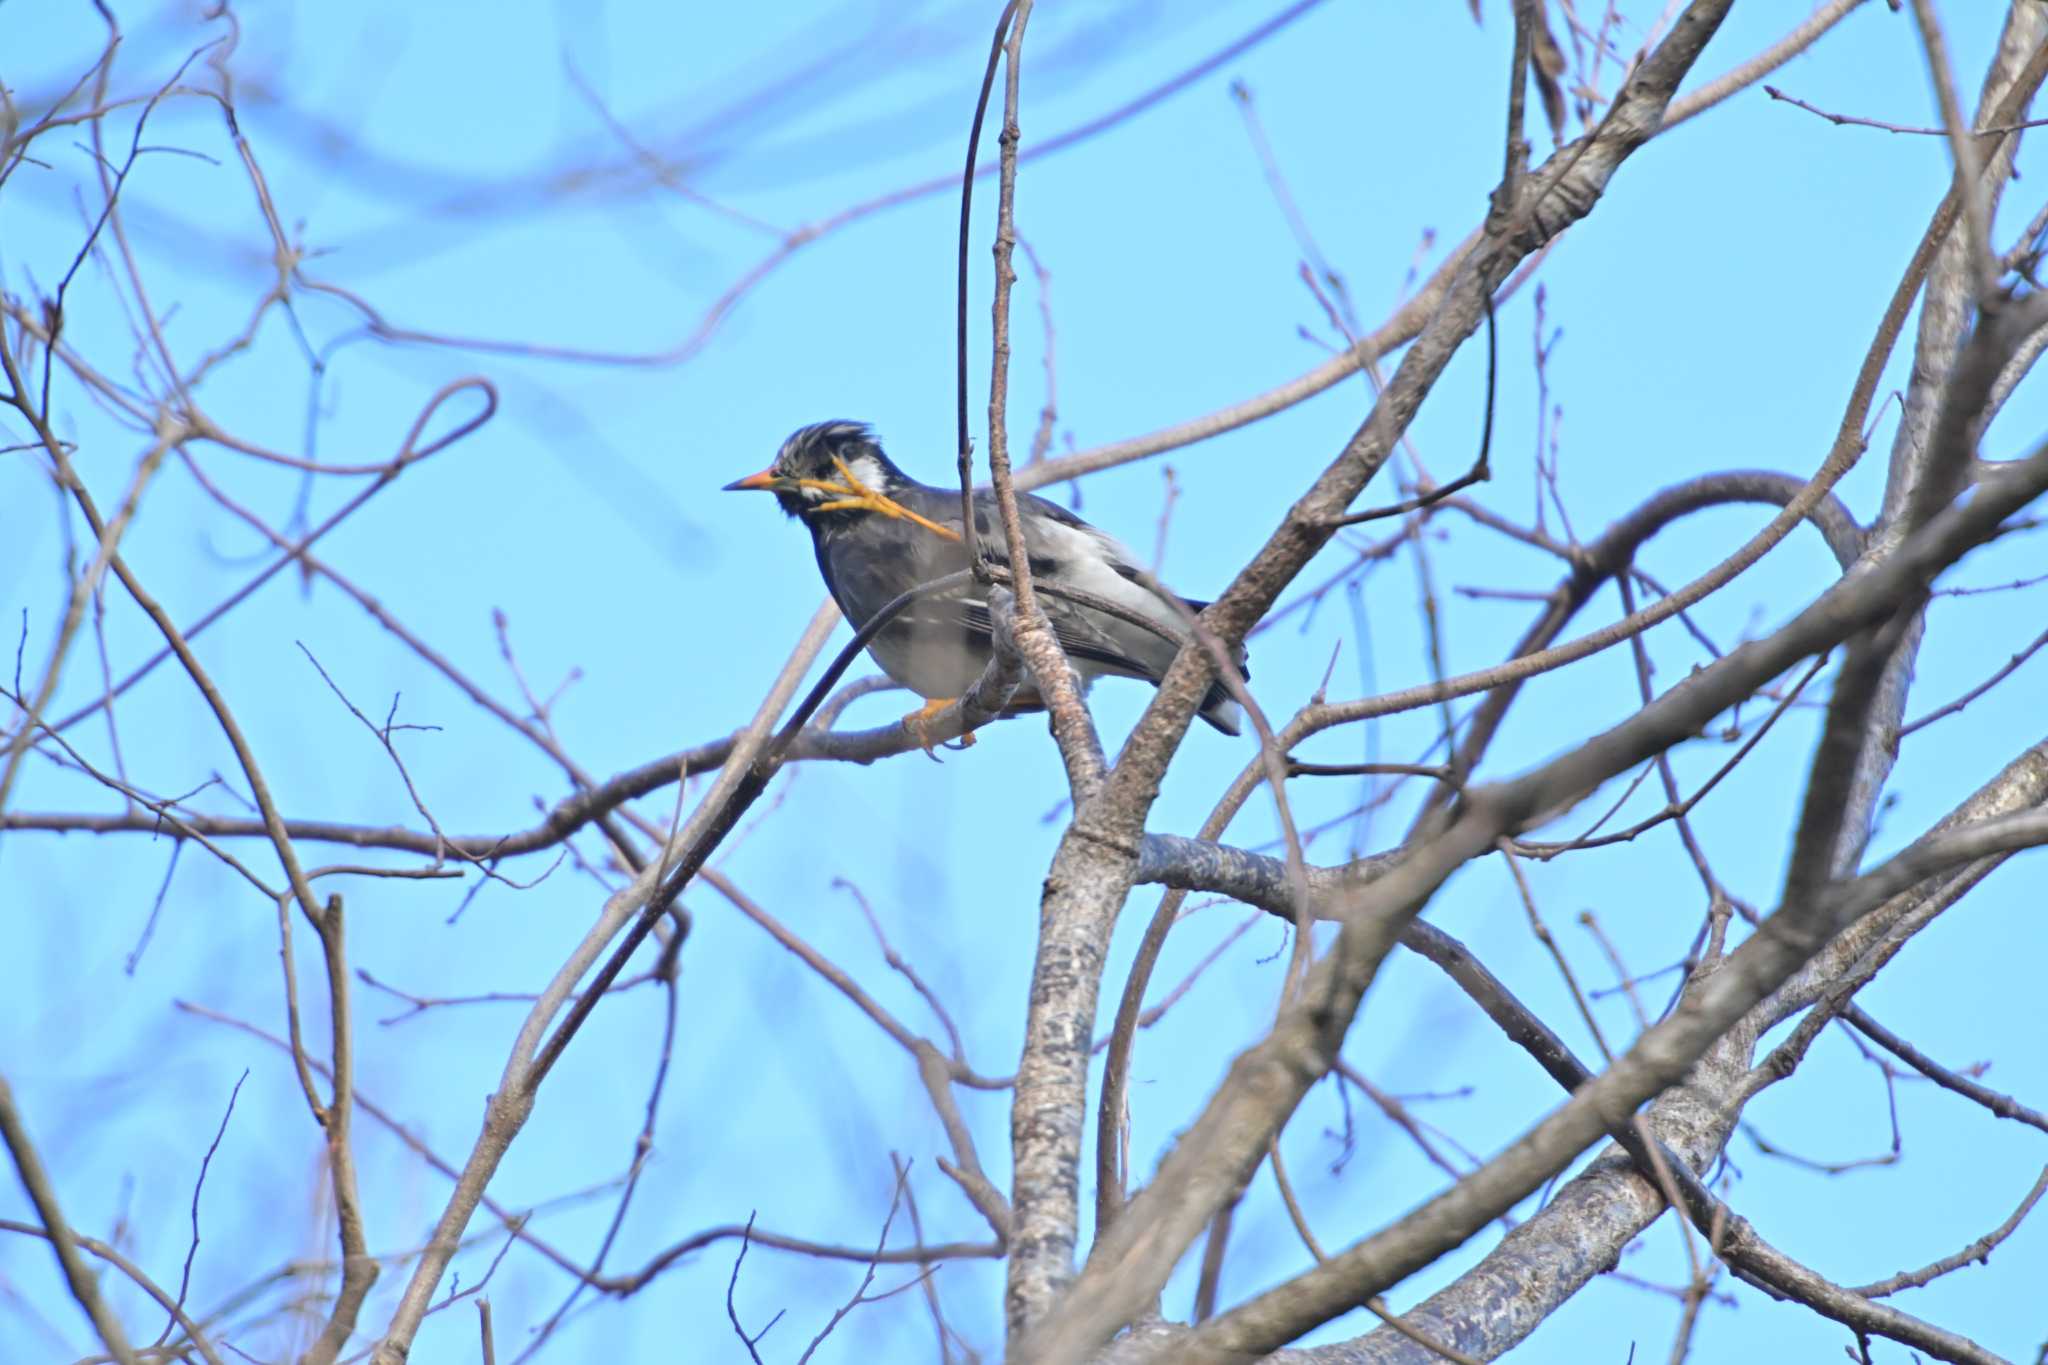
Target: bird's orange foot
[918,722]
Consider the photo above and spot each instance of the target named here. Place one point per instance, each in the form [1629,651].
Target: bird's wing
[868,572]
[1078,631]
[1064,551]
[1087,558]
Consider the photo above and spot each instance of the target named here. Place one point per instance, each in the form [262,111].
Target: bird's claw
[918,723]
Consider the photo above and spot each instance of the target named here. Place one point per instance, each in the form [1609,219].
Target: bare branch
[36,1180]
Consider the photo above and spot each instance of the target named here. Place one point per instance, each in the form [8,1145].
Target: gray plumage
[939,646]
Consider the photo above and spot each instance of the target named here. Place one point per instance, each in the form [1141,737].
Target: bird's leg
[860,497]
[918,722]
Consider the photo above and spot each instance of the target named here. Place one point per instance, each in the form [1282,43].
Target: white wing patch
[1090,559]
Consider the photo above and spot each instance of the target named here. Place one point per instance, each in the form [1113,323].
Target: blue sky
[463,170]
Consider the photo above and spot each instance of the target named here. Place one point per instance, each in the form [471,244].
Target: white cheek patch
[867,469]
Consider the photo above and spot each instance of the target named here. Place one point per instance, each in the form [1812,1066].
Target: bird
[878,532]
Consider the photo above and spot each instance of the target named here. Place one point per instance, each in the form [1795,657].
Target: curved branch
[1614,551]
[113,1257]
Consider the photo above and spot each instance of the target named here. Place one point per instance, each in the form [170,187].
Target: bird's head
[809,472]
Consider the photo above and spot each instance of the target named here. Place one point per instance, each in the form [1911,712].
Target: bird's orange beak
[766,481]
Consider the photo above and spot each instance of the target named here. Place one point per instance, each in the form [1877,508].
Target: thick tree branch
[1091,873]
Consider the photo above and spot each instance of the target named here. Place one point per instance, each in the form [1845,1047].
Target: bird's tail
[1220,711]
[1217,707]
